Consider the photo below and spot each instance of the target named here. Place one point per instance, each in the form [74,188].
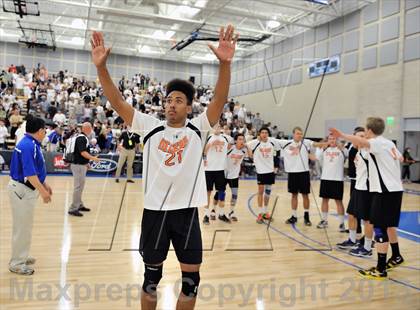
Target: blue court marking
[322,252]
[409,226]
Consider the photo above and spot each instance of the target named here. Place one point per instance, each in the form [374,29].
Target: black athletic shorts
[181,227]
[360,204]
[216,179]
[266,178]
[352,185]
[331,189]
[386,209]
[299,182]
[233,183]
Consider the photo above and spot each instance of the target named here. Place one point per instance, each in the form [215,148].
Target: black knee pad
[216,195]
[381,234]
[152,276]
[190,282]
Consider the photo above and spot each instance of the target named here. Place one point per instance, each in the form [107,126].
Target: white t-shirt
[333,159]
[384,166]
[234,159]
[293,162]
[3,134]
[263,154]
[216,154]
[361,163]
[172,162]
[59,118]
[20,82]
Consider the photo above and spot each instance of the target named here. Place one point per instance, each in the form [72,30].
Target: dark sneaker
[224,218]
[84,209]
[394,262]
[346,245]
[233,217]
[206,220]
[342,228]
[373,273]
[75,213]
[117,180]
[130,181]
[361,252]
[291,220]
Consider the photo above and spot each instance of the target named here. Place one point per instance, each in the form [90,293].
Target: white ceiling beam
[298,7]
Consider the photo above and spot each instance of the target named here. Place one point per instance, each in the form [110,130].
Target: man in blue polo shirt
[28,173]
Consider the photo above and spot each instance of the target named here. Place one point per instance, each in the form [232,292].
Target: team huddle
[375,191]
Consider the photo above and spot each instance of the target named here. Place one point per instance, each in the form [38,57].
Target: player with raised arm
[386,188]
[173,172]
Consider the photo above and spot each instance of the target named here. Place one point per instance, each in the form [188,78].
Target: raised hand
[335,132]
[227,44]
[99,52]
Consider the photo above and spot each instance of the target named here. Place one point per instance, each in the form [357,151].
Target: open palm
[227,44]
[99,52]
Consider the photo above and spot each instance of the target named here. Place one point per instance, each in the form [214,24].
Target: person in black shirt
[127,148]
[79,168]
[408,161]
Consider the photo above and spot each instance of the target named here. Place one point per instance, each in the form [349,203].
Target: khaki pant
[79,177]
[126,155]
[22,202]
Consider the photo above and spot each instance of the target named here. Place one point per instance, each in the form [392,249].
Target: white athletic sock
[207,212]
[352,236]
[221,211]
[368,244]
[341,219]
[264,209]
[294,213]
[231,210]
[324,216]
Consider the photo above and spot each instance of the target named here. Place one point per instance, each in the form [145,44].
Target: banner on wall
[55,163]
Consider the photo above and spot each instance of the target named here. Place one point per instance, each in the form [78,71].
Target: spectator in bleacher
[4,133]
[15,120]
[3,113]
[93,147]
[54,139]
[19,85]
[59,118]
[51,110]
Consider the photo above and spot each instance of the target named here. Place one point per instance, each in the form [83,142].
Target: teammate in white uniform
[332,180]
[263,150]
[296,163]
[174,182]
[387,191]
[359,204]
[215,154]
[235,156]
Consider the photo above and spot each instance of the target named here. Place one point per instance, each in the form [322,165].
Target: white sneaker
[22,270]
[30,260]
[322,224]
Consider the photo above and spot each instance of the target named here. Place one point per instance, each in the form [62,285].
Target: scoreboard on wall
[317,68]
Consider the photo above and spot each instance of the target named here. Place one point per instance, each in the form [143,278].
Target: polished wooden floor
[92,262]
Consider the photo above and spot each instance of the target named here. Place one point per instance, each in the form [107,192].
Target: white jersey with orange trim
[332,160]
[263,154]
[384,166]
[234,160]
[173,169]
[293,161]
[217,152]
